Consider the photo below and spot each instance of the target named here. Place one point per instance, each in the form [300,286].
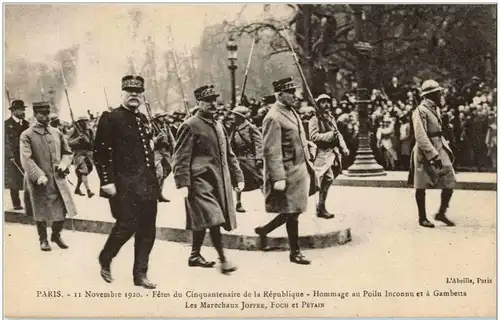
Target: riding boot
[225,265]
[41,227]
[321,211]
[422,215]
[57,227]
[445,201]
[278,221]
[196,259]
[239,207]
[292,228]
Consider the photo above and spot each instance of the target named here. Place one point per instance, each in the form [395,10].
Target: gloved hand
[42,181]
[279,185]
[346,152]
[184,192]
[240,187]
[109,189]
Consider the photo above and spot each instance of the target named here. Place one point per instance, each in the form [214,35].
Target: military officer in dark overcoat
[206,171]
[324,133]
[289,175]
[14,126]
[124,160]
[431,164]
[246,141]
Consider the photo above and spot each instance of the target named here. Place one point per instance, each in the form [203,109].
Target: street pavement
[389,251]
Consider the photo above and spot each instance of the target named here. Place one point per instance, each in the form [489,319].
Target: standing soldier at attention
[290,178]
[81,141]
[246,142]
[45,157]
[431,165]
[14,126]
[164,148]
[324,133]
[125,163]
[205,171]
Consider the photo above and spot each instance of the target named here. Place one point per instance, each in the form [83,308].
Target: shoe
[163,199]
[426,223]
[325,215]
[105,272]
[227,267]
[239,208]
[298,258]
[199,261]
[90,194]
[443,219]
[59,241]
[18,208]
[79,192]
[144,282]
[44,245]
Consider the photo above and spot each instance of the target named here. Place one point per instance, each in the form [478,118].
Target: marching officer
[205,170]
[246,142]
[125,163]
[164,148]
[290,178]
[81,141]
[324,133]
[14,126]
[431,165]
[45,157]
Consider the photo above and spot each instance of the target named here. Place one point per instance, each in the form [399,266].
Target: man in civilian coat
[45,158]
[124,160]
[14,126]
[289,174]
[431,165]
[205,171]
[324,133]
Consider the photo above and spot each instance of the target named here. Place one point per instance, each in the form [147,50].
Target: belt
[435,134]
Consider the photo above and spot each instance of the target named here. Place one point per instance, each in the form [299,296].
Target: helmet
[430,86]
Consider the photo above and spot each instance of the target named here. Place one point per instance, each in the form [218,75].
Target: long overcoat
[13,130]
[286,157]
[42,150]
[205,163]
[246,142]
[430,143]
[328,154]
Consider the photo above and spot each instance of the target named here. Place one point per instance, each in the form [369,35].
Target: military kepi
[205,93]
[41,106]
[17,104]
[284,85]
[133,83]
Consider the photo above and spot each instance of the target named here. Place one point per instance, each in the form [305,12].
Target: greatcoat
[246,142]
[205,163]
[13,130]
[328,154]
[42,150]
[430,143]
[286,157]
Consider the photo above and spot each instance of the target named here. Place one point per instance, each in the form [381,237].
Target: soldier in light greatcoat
[431,165]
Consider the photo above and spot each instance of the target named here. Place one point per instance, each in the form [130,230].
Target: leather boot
[445,200]
[292,228]
[227,267]
[142,280]
[278,221]
[56,234]
[422,215]
[321,211]
[196,259]
[105,269]
[41,228]
[90,194]
[239,207]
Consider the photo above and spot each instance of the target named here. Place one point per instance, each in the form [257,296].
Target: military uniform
[163,151]
[81,142]
[13,176]
[124,158]
[246,142]
[324,133]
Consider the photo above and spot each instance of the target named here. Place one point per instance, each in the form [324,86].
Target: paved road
[388,252]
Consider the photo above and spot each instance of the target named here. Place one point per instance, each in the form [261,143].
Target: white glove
[240,187]
[280,185]
[184,192]
[109,189]
[42,181]
[346,152]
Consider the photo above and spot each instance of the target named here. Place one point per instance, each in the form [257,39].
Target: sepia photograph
[231,160]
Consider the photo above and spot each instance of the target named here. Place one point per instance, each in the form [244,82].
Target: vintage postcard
[250,160]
